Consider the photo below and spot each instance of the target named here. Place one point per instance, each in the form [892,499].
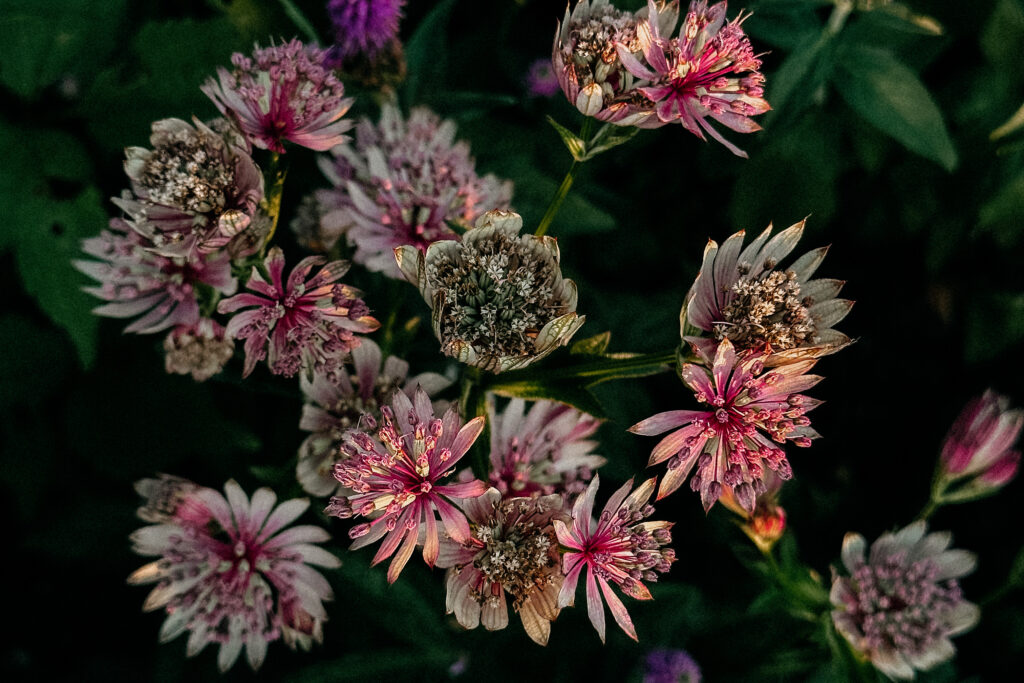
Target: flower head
[196,189]
[511,549]
[902,602]
[335,403]
[201,349]
[135,281]
[307,322]
[670,666]
[283,92]
[619,548]
[396,479]
[541,80]
[401,183]
[709,70]
[743,295]
[979,448]
[227,573]
[750,411]
[542,451]
[585,58]
[362,26]
[498,298]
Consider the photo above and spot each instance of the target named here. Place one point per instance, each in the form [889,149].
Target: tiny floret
[200,350]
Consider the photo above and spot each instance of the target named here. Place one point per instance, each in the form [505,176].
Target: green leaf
[33,362]
[573,142]
[794,71]
[607,137]
[898,17]
[175,74]
[889,95]
[995,323]
[592,346]
[376,665]
[1001,214]
[426,54]
[571,393]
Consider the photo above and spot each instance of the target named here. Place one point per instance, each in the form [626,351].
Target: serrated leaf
[426,53]
[885,92]
[572,142]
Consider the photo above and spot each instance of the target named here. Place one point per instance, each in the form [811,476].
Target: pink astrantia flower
[619,548]
[745,296]
[709,70]
[979,448]
[196,189]
[586,62]
[335,403]
[542,451]
[228,573]
[306,322]
[512,549]
[732,442]
[395,479]
[902,602]
[283,92]
[201,349]
[137,282]
[401,183]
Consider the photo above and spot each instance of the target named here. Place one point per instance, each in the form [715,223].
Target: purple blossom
[362,26]
[664,665]
[306,322]
[541,80]
[283,92]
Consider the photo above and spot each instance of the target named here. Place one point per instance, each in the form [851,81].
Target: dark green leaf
[793,74]
[995,323]
[383,664]
[426,53]
[33,363]
[592,346]
[573,142]
[567,392]
[608,137]
[889,95]
[1001,214]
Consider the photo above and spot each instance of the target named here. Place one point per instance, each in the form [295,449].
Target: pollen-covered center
[189,170]
[768,310]
[346,409]
[594,39]
[498,293]
[518,556]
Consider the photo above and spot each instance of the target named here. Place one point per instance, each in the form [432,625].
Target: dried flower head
[978,452]
[403,182]
[335,403]
[227,573]
[746,297]
[201,349]
[664,665]
[902,602]
[542,451]
[362,27]
[709,70]
[731,443]
[498,298]
[163,497]
[585,59]
[135,281]
[512,549]
[306,322]
[196,189]
[283,92]
[396,479]
[619,548]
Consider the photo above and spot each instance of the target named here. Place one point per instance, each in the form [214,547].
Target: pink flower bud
[980,444]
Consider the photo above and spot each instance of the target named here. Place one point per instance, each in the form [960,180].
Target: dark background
[929,241]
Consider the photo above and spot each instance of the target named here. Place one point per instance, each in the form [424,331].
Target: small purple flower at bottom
[618,549]
[228,572]
[670,666]
[305,322]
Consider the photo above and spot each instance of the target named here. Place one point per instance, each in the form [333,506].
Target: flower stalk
[271,205]
[567,181]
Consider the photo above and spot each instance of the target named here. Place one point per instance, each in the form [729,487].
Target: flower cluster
[200,350]
[402,183]
[902,602]
[362,27]
[228,572]
[498,298]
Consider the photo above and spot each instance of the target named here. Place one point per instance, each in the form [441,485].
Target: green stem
[929,509]
[272,201]
[563,189]
[596,372]
[300,20]
[839,15]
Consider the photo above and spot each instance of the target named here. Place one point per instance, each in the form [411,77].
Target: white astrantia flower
[498,298]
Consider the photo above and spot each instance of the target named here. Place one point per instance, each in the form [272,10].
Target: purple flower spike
[670,666]
[363,26]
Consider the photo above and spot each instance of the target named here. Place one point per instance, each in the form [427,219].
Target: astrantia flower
[307,322]
[586,61]
[402,183]
[137,282]
[732,442]
[498,298]
[619,548]
[201,349]
[194,190]
[282,92]
[395,479]
[902,602]
[979,448]
[743,295]
[335,403]
[542,451]
[670,666]
[710,70]
[228,574]
[362,26]
[512,549]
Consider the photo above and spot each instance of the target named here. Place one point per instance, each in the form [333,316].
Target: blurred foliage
[896,126]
